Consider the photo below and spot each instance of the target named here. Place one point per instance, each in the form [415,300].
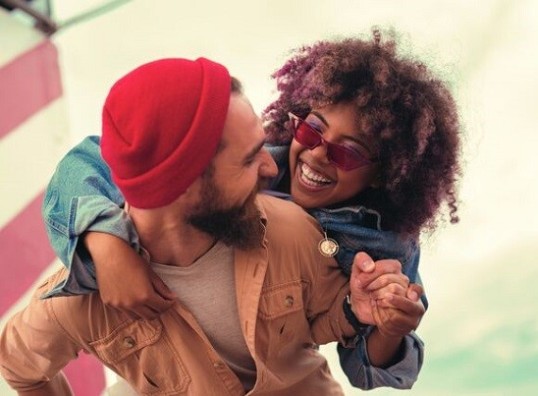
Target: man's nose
[268,167]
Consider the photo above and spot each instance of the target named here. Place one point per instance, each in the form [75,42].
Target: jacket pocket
[142,353]
[280,300]
[282,324]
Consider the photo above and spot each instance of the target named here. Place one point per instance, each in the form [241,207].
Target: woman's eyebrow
[321,118]
[352,137]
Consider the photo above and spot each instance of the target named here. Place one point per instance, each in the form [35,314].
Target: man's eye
[251,160]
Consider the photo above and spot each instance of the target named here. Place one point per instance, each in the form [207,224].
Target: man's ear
[192,194]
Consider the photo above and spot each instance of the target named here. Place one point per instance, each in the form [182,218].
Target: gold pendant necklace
[328,247]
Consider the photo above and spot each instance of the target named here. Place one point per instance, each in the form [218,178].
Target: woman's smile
[310,178]
[315,180]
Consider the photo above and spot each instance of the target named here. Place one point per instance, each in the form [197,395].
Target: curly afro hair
[408,111]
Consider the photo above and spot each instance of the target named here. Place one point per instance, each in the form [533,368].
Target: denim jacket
[81,197]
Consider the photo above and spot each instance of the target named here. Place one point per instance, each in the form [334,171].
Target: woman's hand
[125,280]
[382,296]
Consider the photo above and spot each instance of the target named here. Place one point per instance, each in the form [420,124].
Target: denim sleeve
[348,229]
[401,375]
[82,197]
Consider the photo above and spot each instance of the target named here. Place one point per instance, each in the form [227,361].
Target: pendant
[328,247]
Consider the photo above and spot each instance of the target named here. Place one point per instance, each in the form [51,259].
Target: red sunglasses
[340,156]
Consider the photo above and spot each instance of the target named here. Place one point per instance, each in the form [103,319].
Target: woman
[367,142]
[388,149]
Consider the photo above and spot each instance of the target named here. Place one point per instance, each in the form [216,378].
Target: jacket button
[128,342]
[288,302]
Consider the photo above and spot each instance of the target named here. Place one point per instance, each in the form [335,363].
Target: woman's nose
[320,153]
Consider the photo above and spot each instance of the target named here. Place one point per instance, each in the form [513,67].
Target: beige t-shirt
[207,289]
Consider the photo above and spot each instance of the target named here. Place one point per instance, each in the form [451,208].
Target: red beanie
[162,124]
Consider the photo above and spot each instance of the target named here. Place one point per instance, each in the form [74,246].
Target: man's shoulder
[285,219]
[274,207]
[67,310]
[292,238]
[83,318]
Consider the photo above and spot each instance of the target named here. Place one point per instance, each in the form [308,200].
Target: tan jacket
[289,298]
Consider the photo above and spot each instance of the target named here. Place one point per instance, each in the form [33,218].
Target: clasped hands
[381,295]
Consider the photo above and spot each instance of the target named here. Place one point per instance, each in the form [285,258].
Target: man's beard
[238,226]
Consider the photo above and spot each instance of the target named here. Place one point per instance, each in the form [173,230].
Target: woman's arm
[387,354]
[125,279]
[402,374]
[94,237]
[81,197]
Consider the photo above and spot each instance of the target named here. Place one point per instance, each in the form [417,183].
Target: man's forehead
[241,121]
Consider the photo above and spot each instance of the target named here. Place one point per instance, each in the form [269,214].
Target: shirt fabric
[207,289]
[81,197]
[289,299]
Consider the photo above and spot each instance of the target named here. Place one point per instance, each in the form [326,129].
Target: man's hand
[374,281]
[397,316]
[125,280]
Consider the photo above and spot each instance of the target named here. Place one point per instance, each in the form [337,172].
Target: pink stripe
[25,252]
[28,83]
[86,375]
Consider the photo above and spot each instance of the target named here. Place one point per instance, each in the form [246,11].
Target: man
[186,151]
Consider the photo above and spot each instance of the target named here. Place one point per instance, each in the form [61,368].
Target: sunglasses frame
[357,159]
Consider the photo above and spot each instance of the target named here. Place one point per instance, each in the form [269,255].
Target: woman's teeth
[310,177]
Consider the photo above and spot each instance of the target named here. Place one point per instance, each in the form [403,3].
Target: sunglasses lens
[344,157]
[341,156]
[307,136]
